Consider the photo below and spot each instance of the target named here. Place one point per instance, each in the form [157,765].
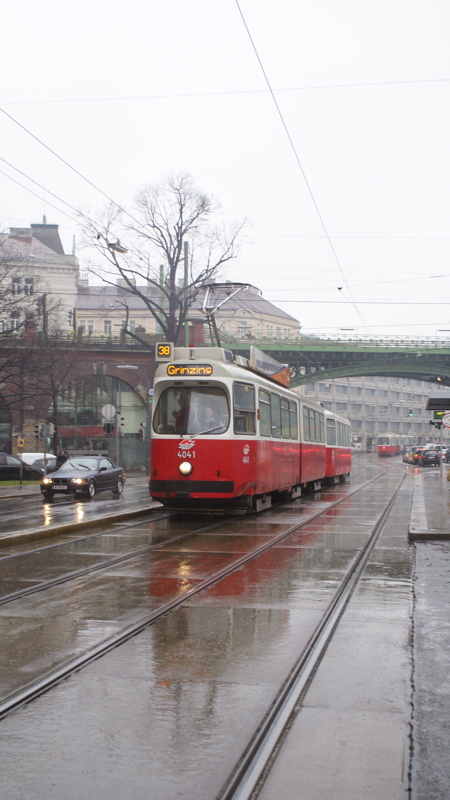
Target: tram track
[51,678]
[248,776]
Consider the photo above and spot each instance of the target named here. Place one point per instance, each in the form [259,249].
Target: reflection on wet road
[28,512]
[168,713]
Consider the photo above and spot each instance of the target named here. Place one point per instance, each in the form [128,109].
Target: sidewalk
[430,512]
[429,532]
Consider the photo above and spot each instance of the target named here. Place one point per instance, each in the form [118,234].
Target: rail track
[11,563]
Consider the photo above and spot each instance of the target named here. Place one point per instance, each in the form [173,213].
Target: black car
[50,462]
[84,475]
[429,456]
[10,469]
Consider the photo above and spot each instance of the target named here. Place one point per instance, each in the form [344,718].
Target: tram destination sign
[182,370]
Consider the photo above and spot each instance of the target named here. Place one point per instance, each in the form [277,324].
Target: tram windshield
[196,410]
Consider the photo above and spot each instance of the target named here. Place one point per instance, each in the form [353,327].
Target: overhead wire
[180,95]
[299,163]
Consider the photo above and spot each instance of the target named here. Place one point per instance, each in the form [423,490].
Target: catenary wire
[225,93]
[297,158]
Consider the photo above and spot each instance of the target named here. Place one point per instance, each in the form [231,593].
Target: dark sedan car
[10,469]
[84,475]
[428,457]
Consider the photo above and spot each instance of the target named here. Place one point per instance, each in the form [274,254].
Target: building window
[324,387]
[90,326]
[16,285]
[382,393]
[369,392]
[15,320]
[355,408]
[341,406]
[355,390]
[341,389]
[28,288]
[107,327]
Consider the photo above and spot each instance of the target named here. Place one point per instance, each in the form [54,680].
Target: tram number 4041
[186,454]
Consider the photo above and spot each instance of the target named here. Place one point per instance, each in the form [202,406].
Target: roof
[21,247]
[113,298]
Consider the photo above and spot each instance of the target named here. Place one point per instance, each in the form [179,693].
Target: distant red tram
[389,445]
[225,436]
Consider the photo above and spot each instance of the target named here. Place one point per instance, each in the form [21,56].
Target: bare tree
[153,254]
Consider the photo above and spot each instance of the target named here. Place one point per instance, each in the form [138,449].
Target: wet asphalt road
[167,714]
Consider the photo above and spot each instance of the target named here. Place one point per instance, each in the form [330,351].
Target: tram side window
[331,432]
[265,421]
[306,429]
[285,431]
[293,419]
[244,408]
[312,425]
[275,402]
[322,426]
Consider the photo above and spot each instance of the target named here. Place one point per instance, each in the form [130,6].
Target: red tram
[224,435]
[389,445]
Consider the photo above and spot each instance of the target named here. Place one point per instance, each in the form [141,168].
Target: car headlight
[47,480]
[78,480]
[185,468]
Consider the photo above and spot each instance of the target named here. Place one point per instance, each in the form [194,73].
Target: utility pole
[186,284]
[161,290]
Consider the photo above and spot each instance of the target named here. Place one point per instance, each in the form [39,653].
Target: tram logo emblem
[246,449]
[246,457]
[186,444]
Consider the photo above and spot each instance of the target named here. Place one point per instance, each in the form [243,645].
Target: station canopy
[438,401]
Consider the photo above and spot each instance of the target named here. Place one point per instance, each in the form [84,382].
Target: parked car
[30,458]
[50,461]
[84,475]
[10,467]
[429,456]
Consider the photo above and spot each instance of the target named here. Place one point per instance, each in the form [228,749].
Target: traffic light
[437,425]
[142,431]
[121,422]
[108,427]
[410,413]
[38,431]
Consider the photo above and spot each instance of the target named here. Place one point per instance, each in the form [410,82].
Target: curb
[44,533]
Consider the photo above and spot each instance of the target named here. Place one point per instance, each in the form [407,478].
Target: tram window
[198,410]
[321,427]
[331,431]
[285,431]
[312,424]
[265,422]
[293,419]
[276,414]
[306,431]
[244,408]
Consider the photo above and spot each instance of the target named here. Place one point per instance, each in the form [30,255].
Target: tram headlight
[185,468]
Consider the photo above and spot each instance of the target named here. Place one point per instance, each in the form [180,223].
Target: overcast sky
[346,183]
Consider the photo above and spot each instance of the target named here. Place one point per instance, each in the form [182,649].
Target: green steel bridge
[314,359]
